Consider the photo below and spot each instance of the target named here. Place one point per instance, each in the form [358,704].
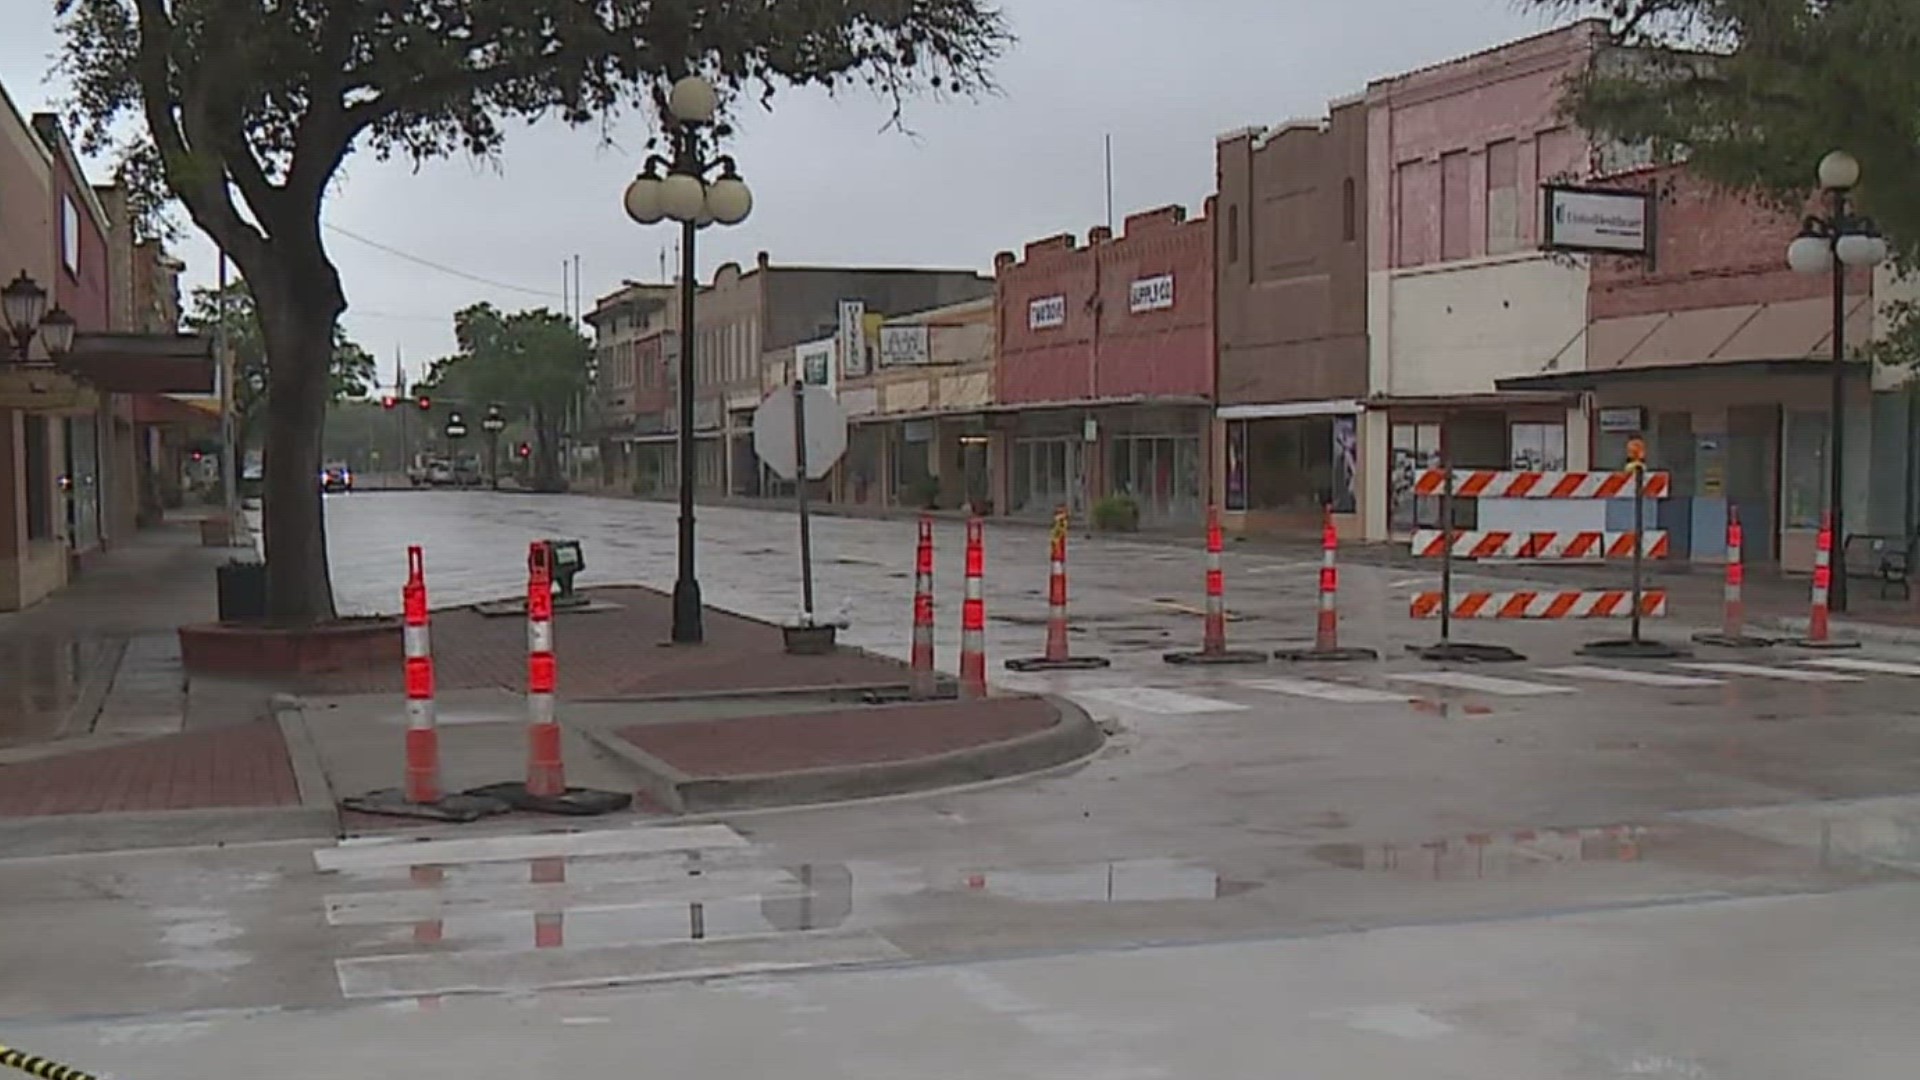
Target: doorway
[1752,441]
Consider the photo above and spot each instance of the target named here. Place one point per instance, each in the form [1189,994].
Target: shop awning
[1281,410]
[1166,400]
[143,363]
[1496,399]
[1734,369]
[162,409]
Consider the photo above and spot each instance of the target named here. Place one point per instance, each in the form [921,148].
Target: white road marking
[1328,691]
[415,905]
[1485,684]
[482,970]
[1629,675]
[1759,672]
[1874,667]
[1148,699]
[540,845]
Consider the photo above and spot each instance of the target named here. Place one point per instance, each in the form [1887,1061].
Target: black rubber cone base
[575,802]
[392,802]
[1732,641]
[1628,649]
[1334,655]
[1224,656]
[1071,663]
[1458,652]
[1830,643]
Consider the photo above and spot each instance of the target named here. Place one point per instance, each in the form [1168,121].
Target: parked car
[439,472]
[466,472]
[336,477]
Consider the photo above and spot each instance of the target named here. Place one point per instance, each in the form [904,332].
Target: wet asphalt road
[1549,828]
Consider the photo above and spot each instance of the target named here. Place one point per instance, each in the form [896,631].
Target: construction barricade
[39,1066]
[1448,544]
[1326,630]
[1213,641]
[1057,655]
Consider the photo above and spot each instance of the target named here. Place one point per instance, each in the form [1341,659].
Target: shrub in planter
[1116,513]
[925,493]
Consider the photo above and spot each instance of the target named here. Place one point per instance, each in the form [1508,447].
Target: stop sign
[773,426]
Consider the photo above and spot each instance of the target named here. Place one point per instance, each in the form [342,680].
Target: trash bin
[242,590]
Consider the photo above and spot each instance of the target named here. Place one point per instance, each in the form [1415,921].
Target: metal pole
[1446,545]
[229,450]
[800,497]
[1639,541]
[686,588]
[1836,428]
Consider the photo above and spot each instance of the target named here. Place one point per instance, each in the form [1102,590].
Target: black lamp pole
[1836,426]
[687,629]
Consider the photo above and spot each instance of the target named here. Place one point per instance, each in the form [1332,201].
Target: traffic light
[389,401]
[424,402]
[525,450]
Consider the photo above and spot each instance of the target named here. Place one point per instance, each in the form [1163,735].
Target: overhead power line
[442,268]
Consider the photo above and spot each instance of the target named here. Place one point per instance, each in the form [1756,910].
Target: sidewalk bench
[1883,557]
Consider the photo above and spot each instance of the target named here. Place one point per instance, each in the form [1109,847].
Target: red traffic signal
[389,401]
[525,450]
[424,402]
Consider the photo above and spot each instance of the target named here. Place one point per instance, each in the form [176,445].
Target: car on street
[336,478]
[440,473]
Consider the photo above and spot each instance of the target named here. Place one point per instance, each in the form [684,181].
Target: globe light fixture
[23,308]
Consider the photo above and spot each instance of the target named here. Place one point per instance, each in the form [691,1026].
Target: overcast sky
[1162,77]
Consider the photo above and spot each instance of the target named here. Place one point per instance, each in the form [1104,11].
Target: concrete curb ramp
[1071,737]
[314,818]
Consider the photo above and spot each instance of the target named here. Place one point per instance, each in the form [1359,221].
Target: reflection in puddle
[1138,881]
[1491,855]
[42,679]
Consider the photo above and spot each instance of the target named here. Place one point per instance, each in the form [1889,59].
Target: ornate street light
[493,424]
[23,305]
[1832,244]
[680,189]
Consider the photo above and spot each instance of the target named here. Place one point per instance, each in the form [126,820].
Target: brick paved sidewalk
[244,766]
[619,652]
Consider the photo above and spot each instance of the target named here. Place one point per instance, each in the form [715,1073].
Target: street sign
[456,427]
[826,428]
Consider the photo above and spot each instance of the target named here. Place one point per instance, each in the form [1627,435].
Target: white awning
[1280,410]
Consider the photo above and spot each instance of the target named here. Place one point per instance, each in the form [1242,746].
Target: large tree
[349,376]
[531,363]
[248,108]
[1752,93]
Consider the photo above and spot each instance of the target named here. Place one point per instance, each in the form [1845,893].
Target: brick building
[1104,368]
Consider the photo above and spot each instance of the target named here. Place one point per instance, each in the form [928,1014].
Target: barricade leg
[1057,656]
[1326,630]
[1213,643]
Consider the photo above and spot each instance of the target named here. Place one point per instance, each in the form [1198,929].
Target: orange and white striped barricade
[1326,629]
[545,788]
[421,794]
[1057,655]
[1733,616]
[1213,642]
[1638,544]
[1819,632]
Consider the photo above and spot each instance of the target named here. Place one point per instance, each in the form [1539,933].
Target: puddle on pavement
[1483,856]
[1127,882]
[47,684]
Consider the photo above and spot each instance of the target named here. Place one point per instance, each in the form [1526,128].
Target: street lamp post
[23,307]
[680,189]
[493,424]
[1831,245]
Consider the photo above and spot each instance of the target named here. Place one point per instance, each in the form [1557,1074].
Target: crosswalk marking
[1760,672]
[627,841]
[1485,684]
[1630,675]
[1875,667]
[1342,693]
[1149,699]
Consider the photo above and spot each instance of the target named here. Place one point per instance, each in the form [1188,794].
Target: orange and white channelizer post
[922,666]
[423,739]
[1056,651]
[1817,628]
[1326,632]
[973,616]
[1733,620]
[1214,639]
[546,777]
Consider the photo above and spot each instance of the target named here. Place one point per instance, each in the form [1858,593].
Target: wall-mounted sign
[852,336]
[1151,294]
[815,361]
[1623,420]
[1047,313]
[902,346]
[1598,220]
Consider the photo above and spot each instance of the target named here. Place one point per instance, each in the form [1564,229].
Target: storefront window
[1289,464]
[1161,473]
[1537,447]
[1803,470]
[1415,447]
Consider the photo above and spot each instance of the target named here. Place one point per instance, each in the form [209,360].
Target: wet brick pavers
[242,766]
[611,653]
[760,745]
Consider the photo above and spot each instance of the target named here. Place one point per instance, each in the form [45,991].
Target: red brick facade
[1115,332]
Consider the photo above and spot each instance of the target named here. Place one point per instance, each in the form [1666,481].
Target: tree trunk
[297,317]
[546,453]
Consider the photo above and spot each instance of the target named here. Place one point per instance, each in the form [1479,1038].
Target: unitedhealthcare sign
[1597,220]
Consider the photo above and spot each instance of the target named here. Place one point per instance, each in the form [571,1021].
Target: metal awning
[1574,381]
[143,363]
[1495,399]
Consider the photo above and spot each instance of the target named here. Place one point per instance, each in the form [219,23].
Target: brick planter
[247,649]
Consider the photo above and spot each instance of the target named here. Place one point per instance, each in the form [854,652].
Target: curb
[1074,736]
[303,756]
[1871,633]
